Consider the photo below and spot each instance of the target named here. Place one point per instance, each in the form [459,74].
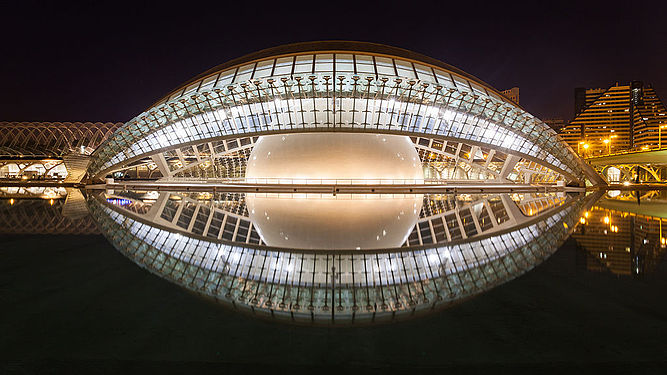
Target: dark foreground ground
[74,305]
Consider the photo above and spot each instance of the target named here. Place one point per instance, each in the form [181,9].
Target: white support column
[515,214]
[208,221]
[510,162]
[475,220]
[460,223]
[489,157]
[162,165]
[473,151]
[157,207]
[494,221]
[193,218]
[444,223]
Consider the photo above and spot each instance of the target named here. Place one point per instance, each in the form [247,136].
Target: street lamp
[608,143]
[660,135]
[610,138]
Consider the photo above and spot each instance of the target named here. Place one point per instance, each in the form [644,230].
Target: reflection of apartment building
[621,117]
[620,242]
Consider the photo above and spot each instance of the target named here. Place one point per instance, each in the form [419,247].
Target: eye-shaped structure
[463,128]
[328,115]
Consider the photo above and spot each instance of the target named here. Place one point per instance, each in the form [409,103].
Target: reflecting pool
[346,259]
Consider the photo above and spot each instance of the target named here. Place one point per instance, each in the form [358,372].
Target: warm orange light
[606,219]
[582,220]
[586,214]
[11,201]
[586,146]
[605,141]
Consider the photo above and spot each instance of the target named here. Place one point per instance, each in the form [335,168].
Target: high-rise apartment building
[555,123]
[622,117]
[512,94]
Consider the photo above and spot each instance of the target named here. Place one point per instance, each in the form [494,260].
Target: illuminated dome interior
[335,156]
[331,222]
[325,221]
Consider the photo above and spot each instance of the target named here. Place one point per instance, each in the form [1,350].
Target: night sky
[73,62]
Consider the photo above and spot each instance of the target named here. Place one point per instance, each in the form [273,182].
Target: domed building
[460,126]
[336,183]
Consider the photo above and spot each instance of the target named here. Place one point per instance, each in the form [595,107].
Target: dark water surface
[73,304]
[75,301]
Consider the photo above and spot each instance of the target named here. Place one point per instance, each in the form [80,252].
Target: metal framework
[334,287]
[49,150]
[442,160]
[443,218]
[353,91]
[52,139]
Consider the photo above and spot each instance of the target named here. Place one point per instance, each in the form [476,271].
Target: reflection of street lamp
[586,146]
[608,143]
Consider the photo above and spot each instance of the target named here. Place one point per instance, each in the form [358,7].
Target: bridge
[644,166]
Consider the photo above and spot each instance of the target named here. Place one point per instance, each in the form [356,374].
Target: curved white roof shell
[339,86]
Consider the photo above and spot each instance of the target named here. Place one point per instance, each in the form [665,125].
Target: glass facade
[351,92]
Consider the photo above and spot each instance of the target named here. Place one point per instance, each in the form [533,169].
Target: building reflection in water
[44,210]
[624,233]
[459,245]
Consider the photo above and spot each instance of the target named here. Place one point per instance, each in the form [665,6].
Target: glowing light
[582,220]
[606,220]
[119,201]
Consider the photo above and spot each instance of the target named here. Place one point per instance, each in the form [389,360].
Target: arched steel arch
[330,87]
[52,139]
